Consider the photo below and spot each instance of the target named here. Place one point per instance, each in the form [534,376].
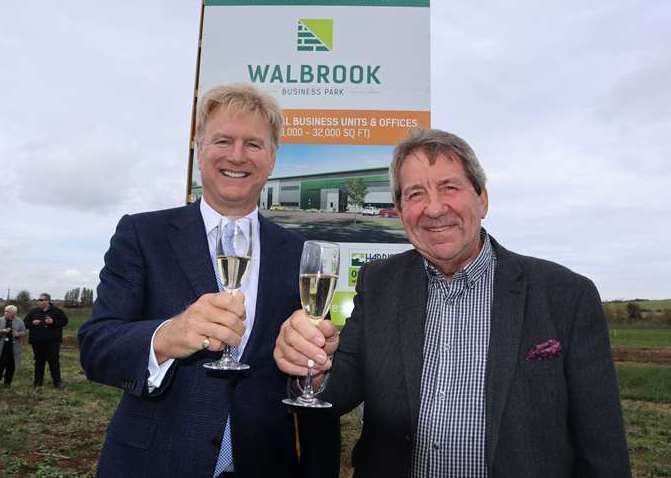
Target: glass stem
[227,354]
[308,392]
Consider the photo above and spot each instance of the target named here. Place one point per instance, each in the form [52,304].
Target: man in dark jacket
[471,360]
[45,323]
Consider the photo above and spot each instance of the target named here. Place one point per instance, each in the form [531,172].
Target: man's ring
[205,343]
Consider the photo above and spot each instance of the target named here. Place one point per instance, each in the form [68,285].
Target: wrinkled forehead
[433,154]
[224,117]
[421,157]
[235,112]
[441,162]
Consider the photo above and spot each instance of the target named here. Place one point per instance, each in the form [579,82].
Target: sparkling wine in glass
[317,282]
[234,254]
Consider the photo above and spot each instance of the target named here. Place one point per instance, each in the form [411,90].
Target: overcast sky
[567,104]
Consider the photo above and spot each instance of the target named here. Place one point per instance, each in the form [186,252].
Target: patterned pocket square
[545,350]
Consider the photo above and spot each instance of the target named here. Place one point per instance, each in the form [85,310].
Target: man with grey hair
[12,331]
[472,361]
[160,315]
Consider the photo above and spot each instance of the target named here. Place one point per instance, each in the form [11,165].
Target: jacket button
[407,437]
[216,441]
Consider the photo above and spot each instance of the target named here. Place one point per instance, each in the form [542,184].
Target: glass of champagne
[317,282]
[234,253]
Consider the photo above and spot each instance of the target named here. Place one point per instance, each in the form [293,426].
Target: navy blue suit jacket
[158,264]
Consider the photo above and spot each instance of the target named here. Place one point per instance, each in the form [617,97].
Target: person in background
[12,331]
[45,323]
[472,360]
[159,316]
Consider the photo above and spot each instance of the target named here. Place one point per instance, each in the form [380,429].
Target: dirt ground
[642,354]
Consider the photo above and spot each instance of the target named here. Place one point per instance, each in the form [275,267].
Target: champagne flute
[317,282]
[234,253]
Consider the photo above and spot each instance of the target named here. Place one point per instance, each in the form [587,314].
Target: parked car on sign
[388,212]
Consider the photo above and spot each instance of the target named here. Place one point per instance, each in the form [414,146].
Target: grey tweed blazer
[556,417]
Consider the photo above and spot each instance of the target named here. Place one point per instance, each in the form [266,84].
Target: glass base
[226,364]
[306,403]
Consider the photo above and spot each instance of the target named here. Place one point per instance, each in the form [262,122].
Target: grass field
[648,428]
[76,318]
[647,382]
[59,433]
[53,433]
[626,337]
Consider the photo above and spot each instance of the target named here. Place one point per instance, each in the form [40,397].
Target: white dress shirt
[249,288]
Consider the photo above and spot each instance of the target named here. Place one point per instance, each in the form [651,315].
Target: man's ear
[484,203]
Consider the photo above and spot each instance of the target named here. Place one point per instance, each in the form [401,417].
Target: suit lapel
[271,274]
[412,296]
[189,243]
[507,315]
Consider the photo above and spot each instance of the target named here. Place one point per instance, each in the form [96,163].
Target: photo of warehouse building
[326,191]
[316,206]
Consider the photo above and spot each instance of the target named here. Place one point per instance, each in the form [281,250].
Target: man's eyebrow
[216,136]
[450,180]
[413,187]
[260,139]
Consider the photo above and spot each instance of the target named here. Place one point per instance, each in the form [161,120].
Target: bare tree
[71,298]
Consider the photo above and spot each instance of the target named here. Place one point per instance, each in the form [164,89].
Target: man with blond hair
[159,316]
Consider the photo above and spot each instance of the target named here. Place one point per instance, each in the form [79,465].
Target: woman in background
[12,329]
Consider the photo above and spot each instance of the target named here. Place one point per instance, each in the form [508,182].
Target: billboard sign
[352,77]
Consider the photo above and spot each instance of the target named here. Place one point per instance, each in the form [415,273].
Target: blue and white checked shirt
[451,430]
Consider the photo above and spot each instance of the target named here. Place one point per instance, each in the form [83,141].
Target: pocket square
[545,350]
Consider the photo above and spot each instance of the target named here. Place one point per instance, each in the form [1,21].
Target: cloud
[82,175]
[568,107]
[96,108]
[72,273]
[641,96]
[99,174]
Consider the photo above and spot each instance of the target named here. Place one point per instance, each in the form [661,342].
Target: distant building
[326,191]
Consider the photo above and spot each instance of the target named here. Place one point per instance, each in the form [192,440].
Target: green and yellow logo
[358,259]
[315,34]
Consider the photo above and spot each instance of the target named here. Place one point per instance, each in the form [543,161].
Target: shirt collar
[211,217]
[474,270]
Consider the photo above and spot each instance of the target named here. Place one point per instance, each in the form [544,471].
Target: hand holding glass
[234,253]
[317,281]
